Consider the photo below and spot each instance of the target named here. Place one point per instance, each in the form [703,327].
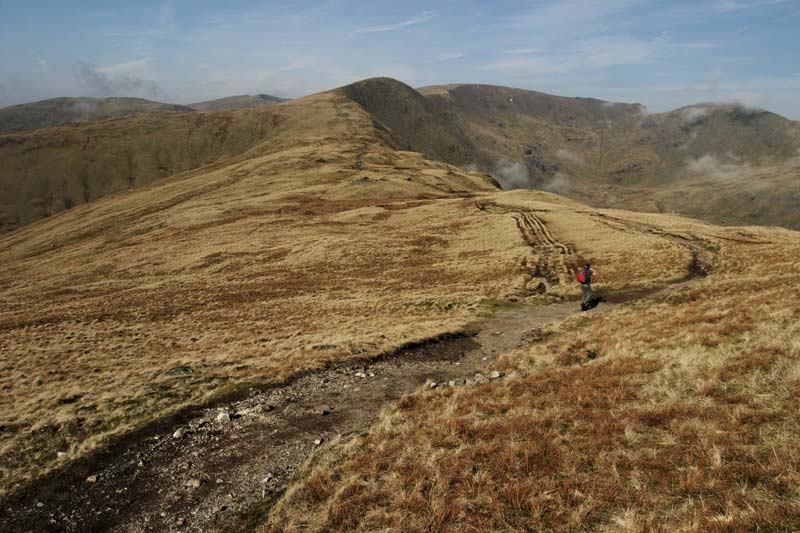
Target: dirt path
[217,468]
[219,471]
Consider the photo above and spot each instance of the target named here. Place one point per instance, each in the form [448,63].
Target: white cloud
[422,17]
[40,61]
[449,57]
[559,184]
[714,78]
[526,51]
[594,53]
[692,114]
[725,6]
[748,99]
[511,175]
[710,166]
[126,66]
[570,156]
[610,51]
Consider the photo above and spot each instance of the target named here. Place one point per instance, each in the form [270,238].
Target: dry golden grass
[677,413]
[320,245]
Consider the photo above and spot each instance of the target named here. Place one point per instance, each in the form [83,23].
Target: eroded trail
[217,468]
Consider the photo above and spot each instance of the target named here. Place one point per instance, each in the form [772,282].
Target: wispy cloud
[725,6]
[594,53]
[422,17]
[40,61]
[523,51]
[126,66]
[101,84]
[449,56]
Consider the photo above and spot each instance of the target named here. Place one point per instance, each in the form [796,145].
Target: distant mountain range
[66,110]
[238,102]
[26,117]
[723,163]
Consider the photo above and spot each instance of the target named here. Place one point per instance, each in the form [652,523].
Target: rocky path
[217,468]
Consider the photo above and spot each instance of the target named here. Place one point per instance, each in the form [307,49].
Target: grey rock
[92,479]
[179,433]
[360,375]
[319,441]
[197,423]
[496,374]
[223,417]
[194,483]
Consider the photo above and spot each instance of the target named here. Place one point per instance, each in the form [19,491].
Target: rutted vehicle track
[703,252]
[220,466]
[555,259]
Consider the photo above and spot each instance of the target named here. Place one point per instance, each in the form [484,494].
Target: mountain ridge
[64,110]
[723,163]
[240,101]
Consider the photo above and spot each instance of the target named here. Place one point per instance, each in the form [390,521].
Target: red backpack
[581,276]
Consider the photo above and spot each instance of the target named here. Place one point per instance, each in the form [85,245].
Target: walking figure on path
[585,279]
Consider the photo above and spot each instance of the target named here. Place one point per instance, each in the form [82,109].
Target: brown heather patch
[686,421]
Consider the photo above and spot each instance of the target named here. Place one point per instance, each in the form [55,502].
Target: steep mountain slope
[410,122]
[26,117]
[243,101]
[53,169]
[739,165]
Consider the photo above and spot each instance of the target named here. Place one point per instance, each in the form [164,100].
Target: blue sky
[663,54]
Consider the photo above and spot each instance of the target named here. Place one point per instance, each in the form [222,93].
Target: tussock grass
[321,246]
[684,418]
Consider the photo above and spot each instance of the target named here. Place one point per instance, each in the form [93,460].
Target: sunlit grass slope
[675,413]
[320,245]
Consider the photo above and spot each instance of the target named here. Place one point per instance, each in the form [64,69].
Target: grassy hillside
[739,166]
[239,271]
[675,413]
[55,169]
[26,117]
[319,241]
[323,236]
[243,101]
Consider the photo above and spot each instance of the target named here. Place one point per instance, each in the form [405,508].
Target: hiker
[585,279]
